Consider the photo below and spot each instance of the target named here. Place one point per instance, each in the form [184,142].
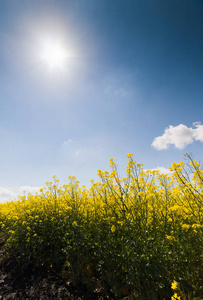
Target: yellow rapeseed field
[141,236]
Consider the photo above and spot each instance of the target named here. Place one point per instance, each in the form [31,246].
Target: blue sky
[131,83]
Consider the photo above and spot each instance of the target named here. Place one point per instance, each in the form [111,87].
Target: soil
[39,284]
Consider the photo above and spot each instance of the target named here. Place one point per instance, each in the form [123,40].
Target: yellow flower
[170,238]
[111,163]
[74,223]
[129,155]
[185,226]
[113,174]
[196,226]
[113,228]
[174,285]
[141,194]
[11,232]
[175,297]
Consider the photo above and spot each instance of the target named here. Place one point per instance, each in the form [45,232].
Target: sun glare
[53,54]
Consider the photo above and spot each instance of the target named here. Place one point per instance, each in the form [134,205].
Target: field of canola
[140,236]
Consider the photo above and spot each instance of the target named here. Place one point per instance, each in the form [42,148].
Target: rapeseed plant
[137,234]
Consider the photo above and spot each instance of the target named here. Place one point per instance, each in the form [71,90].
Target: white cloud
[180,136]
[6,195]
[29,189]
[162,170]
[198,131]
[9,194]
[68,142]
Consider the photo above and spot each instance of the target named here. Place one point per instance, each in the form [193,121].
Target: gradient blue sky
[136,68]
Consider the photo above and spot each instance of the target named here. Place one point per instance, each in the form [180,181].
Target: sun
[53,54]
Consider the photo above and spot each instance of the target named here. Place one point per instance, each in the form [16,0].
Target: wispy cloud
[83,150]
[180,136]
[67,142]
[116,90]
